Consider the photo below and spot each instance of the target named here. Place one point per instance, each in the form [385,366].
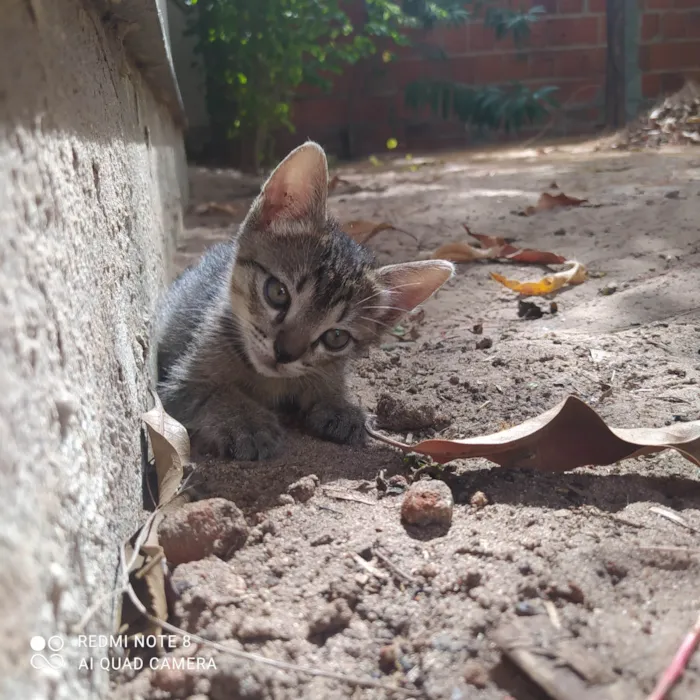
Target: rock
[479,499]
[484,344]
[200,529]
[284,499]
[331,618]
[177,682]
[475,674]
[304,489]
[403,412]
[388,658]
[428,502]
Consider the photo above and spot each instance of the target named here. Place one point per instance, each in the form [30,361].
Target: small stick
[392,567]
[348,497]
[677,666]
[369,568]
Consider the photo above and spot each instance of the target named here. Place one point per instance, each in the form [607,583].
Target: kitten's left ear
[298,187]
[407,285]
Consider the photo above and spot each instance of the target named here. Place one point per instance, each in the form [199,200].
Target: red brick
[481,38]
[488,68]
[674,25]
[325,111]
[543,63]
[597,6]
[659,4]
[581,63]
[516,66]
[373,109]
[671,82]
[686,4]
[404,72]
[463,69]
[455,40]
[651,85]
[570,7]
[668,57]
[650,26]
[565,32]
[578,92]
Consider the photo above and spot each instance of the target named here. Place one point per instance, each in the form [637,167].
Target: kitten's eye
[276,293]
[335,339]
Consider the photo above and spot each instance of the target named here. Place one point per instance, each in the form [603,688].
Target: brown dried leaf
[548,201]
[492,248]
[221,208]
[568,436]
[361,231]
[576,274]
[171,449]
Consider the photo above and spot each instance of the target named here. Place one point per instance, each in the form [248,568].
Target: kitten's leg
[329,415]
[226,423]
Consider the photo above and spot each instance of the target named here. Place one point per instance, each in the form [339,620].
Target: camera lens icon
[43,661]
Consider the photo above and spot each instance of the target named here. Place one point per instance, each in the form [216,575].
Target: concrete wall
[92,177]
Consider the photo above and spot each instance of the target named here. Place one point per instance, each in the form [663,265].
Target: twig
[348,497]
[392,567]
[369,568]
[552,614]
[383,438]
[677,666]
[672,516]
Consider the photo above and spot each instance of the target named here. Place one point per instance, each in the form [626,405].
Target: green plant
[481,106]
[258,52]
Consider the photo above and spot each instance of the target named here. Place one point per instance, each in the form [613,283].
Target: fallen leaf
[361,231]
[547,201]
[171,449]
[493,248]
[568,436]
[576,274]
[209,207]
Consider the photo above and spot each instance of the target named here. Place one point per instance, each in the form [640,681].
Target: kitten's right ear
[297,189]
[407,285]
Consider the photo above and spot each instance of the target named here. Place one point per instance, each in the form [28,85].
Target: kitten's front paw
[255,438]
[340,422]
[246,438]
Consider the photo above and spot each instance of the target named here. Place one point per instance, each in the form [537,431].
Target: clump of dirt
[572,570]
[402,412]
[674,121]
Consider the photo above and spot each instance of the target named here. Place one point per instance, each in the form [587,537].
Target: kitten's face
[305,294]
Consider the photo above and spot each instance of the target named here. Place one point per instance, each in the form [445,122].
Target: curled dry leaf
[493,248]
[548,201]
[361,231]
[568,436]
[218,207]
[171,449]
[576,274]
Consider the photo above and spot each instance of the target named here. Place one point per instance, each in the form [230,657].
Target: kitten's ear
[407,285]
[298,187]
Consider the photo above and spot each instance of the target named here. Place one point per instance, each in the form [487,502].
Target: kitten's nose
[289,346]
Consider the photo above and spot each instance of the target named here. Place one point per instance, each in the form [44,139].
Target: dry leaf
[171,449]
[568,436]
[548,201]
[576,274]
[361,231]
[493,248]
[209,207]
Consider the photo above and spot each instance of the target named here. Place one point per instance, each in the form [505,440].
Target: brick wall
[567,48]
[669,46]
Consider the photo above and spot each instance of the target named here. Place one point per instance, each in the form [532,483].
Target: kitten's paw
[343,423]
[253,438]
[258,436]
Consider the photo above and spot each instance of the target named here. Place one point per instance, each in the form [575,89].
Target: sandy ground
[577,561]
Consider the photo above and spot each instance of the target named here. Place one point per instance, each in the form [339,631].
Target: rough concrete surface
[91,182]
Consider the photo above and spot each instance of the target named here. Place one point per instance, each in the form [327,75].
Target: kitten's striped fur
[230,357]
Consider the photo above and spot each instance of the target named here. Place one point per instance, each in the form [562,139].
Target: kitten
[267,321]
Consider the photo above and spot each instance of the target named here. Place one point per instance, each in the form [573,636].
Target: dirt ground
[596,583]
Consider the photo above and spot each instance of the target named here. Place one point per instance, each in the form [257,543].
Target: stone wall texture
[92,178]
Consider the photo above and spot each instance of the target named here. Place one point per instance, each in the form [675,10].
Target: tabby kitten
[267,321]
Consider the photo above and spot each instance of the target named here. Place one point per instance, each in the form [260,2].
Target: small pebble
[388,657]
[303,489]
[475,674]
[525,609]
[428,502]
[479,499]
[197,530]
[484,344]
